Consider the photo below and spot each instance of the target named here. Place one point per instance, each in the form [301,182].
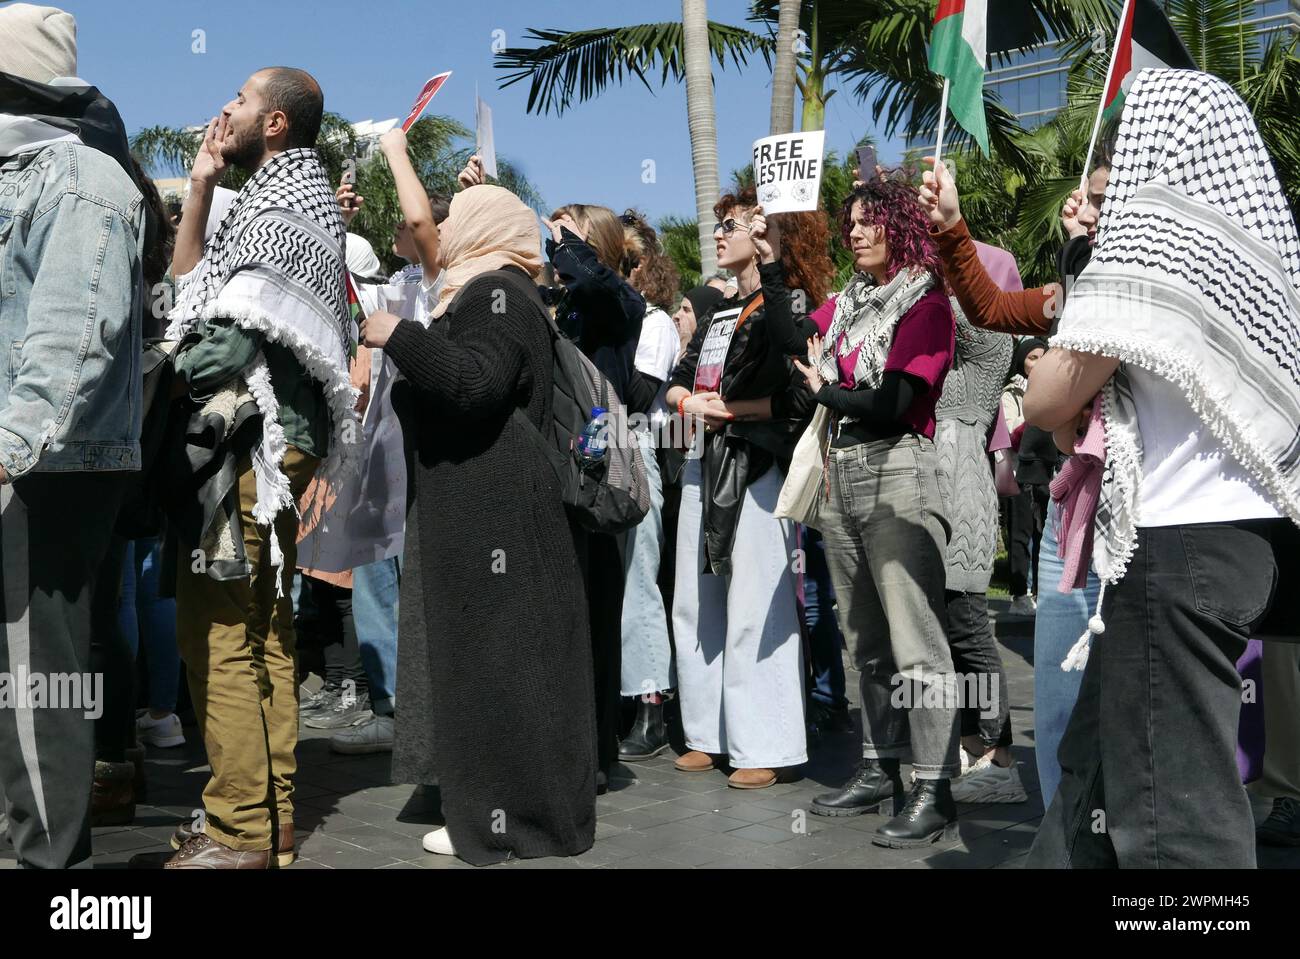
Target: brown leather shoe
[284,851]
[694,762]
[112,794]
[204,852]
[752,778]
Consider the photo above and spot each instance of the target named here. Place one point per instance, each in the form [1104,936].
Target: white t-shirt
[1188,476]
[656,355]
[405,294]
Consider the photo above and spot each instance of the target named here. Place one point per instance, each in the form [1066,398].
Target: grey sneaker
[327,697]
[347,711]
[987,782]
[375,736]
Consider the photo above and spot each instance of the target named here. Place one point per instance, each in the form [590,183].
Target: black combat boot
[876,781]
[928,815]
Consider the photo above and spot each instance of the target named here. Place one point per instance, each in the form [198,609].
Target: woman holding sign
[739,668]
[890,335]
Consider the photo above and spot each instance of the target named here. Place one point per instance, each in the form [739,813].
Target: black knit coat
[508,657]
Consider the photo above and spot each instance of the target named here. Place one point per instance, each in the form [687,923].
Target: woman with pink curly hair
[877,355]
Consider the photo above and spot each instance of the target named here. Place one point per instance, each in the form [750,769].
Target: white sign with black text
[788,171]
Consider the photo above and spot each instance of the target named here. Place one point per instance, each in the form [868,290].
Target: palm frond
[163,149]
[1216,34]
[1272,91]
[569,66]
[681,242]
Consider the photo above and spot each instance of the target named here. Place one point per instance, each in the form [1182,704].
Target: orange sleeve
[1024,312]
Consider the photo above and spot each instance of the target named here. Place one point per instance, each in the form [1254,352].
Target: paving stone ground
[350,815]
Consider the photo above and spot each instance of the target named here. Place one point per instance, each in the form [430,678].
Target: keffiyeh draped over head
[866,316]
[276,265]
[488,228]
[1195,279]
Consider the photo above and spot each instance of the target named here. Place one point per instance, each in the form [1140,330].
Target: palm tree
[880,45]
[700,119]
[783,80]
[581,64]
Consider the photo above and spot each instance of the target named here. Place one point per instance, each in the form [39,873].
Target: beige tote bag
[805,484]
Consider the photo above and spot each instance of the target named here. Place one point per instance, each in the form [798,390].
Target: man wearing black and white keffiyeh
[1187,323]
[266,301]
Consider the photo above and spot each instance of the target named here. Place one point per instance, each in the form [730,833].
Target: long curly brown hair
[653,274]
[805,245]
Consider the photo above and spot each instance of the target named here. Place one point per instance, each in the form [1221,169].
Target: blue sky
[372,58]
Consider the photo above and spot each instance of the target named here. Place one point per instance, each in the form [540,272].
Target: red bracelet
[681,405]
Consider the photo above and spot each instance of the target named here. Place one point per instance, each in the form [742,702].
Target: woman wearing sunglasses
[877,356]
[740,673]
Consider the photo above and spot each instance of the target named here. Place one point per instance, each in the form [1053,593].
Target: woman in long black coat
[509,656]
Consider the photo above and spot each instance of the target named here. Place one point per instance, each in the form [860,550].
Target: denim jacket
[71,308]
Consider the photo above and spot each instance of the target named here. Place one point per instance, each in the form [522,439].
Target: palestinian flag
[1146,39]
[959,53]
[355,313]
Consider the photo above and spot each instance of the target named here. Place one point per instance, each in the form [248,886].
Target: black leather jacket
[743,452]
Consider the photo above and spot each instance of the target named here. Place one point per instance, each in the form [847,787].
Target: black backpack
[613,496]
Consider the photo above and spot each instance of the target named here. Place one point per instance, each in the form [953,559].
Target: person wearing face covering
[696,303]
[72,239]
[1174,378]
[509,657]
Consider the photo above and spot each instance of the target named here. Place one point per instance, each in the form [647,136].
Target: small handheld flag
[1144,38]
[959,53]
[355,313]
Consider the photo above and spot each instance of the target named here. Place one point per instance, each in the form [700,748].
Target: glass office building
[1032,84]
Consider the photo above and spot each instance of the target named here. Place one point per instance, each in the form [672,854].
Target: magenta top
[923,347]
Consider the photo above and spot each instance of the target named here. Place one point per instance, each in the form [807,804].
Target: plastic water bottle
[592,443]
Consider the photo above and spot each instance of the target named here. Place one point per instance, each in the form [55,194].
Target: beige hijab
[489,228]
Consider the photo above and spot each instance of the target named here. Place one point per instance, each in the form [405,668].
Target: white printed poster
[788,171]
[713,351]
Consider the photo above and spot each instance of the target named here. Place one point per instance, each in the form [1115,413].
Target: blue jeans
[1062,618]
[374,612]
[141,613]
[824,638]
[647,665]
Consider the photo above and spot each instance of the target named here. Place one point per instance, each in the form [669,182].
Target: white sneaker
[967,761]
[439,842]
[163,732]
[1023,606]
[988,782]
